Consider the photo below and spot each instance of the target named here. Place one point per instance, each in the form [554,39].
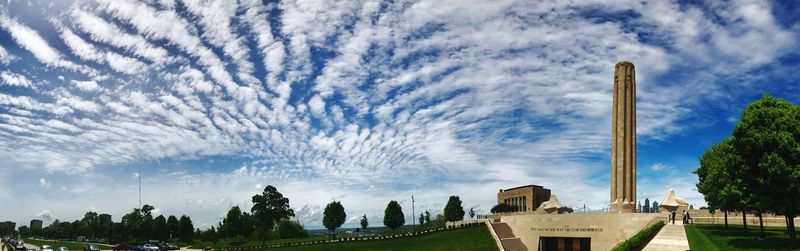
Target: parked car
[91,247]
[172,246]
[140,248]
[151,247]
[63,249]
[46,248]
[121,246]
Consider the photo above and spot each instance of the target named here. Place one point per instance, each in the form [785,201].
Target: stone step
[503,231]
[513,244]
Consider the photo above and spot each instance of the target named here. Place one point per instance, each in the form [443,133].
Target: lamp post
[413,214]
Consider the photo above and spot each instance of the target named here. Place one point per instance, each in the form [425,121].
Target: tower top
[624,62]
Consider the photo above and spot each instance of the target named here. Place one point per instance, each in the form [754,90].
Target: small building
[36,225]
[525,198]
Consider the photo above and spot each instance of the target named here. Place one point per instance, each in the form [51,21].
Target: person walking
[673,217]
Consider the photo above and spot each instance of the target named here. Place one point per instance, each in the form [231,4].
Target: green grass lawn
[470,238]
[716,237]
[56,244]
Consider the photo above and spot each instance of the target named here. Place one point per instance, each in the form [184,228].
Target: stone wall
[604,229]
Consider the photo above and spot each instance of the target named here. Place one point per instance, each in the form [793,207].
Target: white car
[63,249]
[47,248]
[150,247]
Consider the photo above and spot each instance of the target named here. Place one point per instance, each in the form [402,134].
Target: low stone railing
[351,239]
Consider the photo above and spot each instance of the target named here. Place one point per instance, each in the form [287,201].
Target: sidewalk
[670,238]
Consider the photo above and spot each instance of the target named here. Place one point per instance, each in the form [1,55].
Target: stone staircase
[507,238]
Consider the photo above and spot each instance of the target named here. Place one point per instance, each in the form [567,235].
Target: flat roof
[522,187]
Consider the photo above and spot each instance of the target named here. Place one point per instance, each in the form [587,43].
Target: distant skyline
[366,101]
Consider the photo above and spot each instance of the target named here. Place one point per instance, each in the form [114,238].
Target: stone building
[525,198]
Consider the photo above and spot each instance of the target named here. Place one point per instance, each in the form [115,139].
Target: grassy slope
[716,237]
[471,238]
[56,244]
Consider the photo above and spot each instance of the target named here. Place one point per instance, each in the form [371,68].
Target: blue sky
[364,101]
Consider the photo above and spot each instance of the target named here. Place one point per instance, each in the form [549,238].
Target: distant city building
[7,227]
[36,225]
[525,198]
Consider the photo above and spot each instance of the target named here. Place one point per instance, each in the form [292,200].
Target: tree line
[757,169]
[137,226]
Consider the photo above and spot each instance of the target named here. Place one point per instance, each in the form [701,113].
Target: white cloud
[85,85]
[13,79]
[43,183]
[31,41]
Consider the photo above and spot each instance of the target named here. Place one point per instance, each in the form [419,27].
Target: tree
[269,207]
[364,223]
[427,216]
[291,229]
[172,225]
[768,141]
[453,211]
[646,206]
[720,167]
[421,219]
[503,208]
[185,228]
[393,217]
[569,210]
[232,224]
[471,213]
[333,216]
[160,228]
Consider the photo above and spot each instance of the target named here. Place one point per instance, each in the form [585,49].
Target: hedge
[640,239]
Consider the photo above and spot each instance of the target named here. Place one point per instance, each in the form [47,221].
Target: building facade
[524,198]
[36,225]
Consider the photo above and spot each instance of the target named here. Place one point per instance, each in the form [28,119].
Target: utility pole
[140,186]
[413,215]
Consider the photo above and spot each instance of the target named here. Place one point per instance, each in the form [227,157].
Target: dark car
[140,248]
[91,247]
[172,246]
[121,247]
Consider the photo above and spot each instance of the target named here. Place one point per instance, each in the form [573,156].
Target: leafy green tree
[172,225]
[333,216]
[471,213]
[503,208]
[719,178]
[421,219]
[427,216]
[160,228]
[185,228]
[364,223]
[232,224]
[453,211]
[768,141]
[393,217]
[269,207]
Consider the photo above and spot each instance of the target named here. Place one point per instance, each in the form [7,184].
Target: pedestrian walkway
[670,238]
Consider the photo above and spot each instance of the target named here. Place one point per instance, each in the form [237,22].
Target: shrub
[640,239]
[288,229]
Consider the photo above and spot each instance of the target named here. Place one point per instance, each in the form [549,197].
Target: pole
[413,214]
[140,186]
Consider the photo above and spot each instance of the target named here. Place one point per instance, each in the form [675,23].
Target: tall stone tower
[623,140]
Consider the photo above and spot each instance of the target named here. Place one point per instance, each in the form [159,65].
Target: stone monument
[623,140]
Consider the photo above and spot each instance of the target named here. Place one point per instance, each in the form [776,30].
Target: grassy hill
[717,237]
[464,239]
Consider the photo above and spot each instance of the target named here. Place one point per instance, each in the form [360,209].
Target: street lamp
[413,215]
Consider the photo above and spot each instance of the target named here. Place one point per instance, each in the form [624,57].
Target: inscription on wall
[567,229]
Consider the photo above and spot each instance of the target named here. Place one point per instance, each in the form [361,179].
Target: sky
[365,102]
